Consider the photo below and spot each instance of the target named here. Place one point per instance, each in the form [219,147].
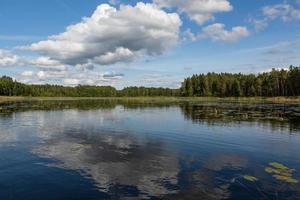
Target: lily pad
[271,170]
[292,180]
[278,166]
[250,178]
[287,179]
[281,172]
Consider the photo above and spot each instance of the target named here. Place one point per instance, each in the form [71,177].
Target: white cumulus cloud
[46,63]
[84,67]
[284,11]
[7,58]
[113,35]
[27,73]
[70,77]
[71,81]
[197,10]
[217,32]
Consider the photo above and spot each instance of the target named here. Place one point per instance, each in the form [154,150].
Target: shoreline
[290,100]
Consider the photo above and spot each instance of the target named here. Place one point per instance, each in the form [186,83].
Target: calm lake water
[131,150]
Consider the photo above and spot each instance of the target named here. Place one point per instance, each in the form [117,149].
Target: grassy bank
[293,100]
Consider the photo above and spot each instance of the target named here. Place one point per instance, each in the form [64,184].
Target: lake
[114,149]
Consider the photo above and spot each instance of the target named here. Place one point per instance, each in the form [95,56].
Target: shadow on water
[137,150]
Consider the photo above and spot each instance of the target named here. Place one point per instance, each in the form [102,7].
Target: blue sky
[152,43]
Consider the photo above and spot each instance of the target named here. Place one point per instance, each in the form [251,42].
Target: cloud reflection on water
[114,159]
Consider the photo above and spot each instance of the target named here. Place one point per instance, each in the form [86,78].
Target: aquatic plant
[250,178]
[281,172]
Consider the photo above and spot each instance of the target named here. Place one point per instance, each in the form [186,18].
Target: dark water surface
[132,150]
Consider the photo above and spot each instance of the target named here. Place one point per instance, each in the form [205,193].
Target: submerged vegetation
[278,171]
[268,84]
[283,176]
[221,175]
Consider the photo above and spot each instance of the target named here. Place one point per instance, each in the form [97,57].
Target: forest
[274,83]
[10,87]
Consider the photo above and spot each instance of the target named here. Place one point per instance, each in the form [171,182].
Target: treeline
[143,91]
[9,87]
[274,83]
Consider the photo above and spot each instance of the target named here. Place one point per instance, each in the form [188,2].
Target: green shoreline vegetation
[274,86]
[289,100]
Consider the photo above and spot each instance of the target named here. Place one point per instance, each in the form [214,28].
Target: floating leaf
[286,174]
[271,170]
[292,180]
[278,166]
[280,177]
[281,172]
[287,179]
[250,178]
